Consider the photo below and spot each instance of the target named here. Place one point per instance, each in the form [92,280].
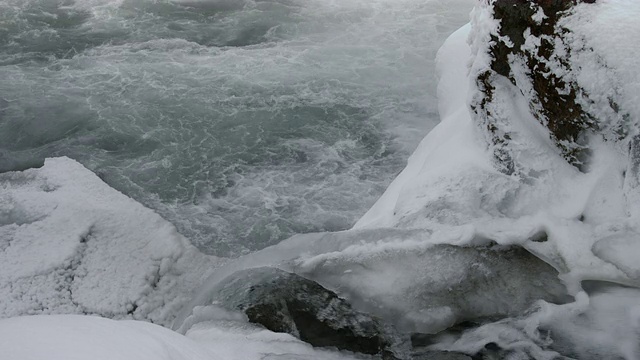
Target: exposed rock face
[286,302]
[530,49]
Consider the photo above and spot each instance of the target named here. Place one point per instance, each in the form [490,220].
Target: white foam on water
[192,107]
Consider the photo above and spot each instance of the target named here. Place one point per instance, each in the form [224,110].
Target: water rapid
[240,121]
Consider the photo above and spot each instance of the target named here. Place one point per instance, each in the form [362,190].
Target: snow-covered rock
[76,337]
[452,182]
[549,51]
[71,244]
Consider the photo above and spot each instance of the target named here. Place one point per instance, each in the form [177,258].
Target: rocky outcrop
[530,48]
[288,303]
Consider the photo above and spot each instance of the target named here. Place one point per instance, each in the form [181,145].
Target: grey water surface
[241,122]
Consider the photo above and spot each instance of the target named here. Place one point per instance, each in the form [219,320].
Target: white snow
[602,326]
[71,337]
[243,341]
[71,244]
[539,16]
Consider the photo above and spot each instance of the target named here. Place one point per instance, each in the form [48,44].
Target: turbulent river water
[241,122]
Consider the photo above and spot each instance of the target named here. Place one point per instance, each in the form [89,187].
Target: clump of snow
[71,244]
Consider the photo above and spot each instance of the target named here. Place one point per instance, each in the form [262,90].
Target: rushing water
[242,122]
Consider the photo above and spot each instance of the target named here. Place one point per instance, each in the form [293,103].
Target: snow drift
[75,337]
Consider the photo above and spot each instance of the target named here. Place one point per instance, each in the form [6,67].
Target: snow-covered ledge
[71,244]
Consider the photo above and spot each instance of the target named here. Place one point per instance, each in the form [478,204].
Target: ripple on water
[242,122]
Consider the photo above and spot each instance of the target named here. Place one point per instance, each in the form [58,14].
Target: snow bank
[582,222]
[71,337]
[239,340]
[71,244]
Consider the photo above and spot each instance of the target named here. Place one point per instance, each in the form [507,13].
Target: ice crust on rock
[285,302]
[71,244]
[603,325]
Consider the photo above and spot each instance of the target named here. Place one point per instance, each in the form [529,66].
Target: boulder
[431,289]
[289,303]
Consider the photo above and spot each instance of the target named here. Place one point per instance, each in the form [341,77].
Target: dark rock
[493,351]
[473,284]
[286,302]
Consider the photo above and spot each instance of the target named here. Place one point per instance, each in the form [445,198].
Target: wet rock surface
[288,303]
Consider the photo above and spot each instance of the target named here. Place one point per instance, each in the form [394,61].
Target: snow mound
[240,340]
[71,337]
[605,325]
[71,244]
